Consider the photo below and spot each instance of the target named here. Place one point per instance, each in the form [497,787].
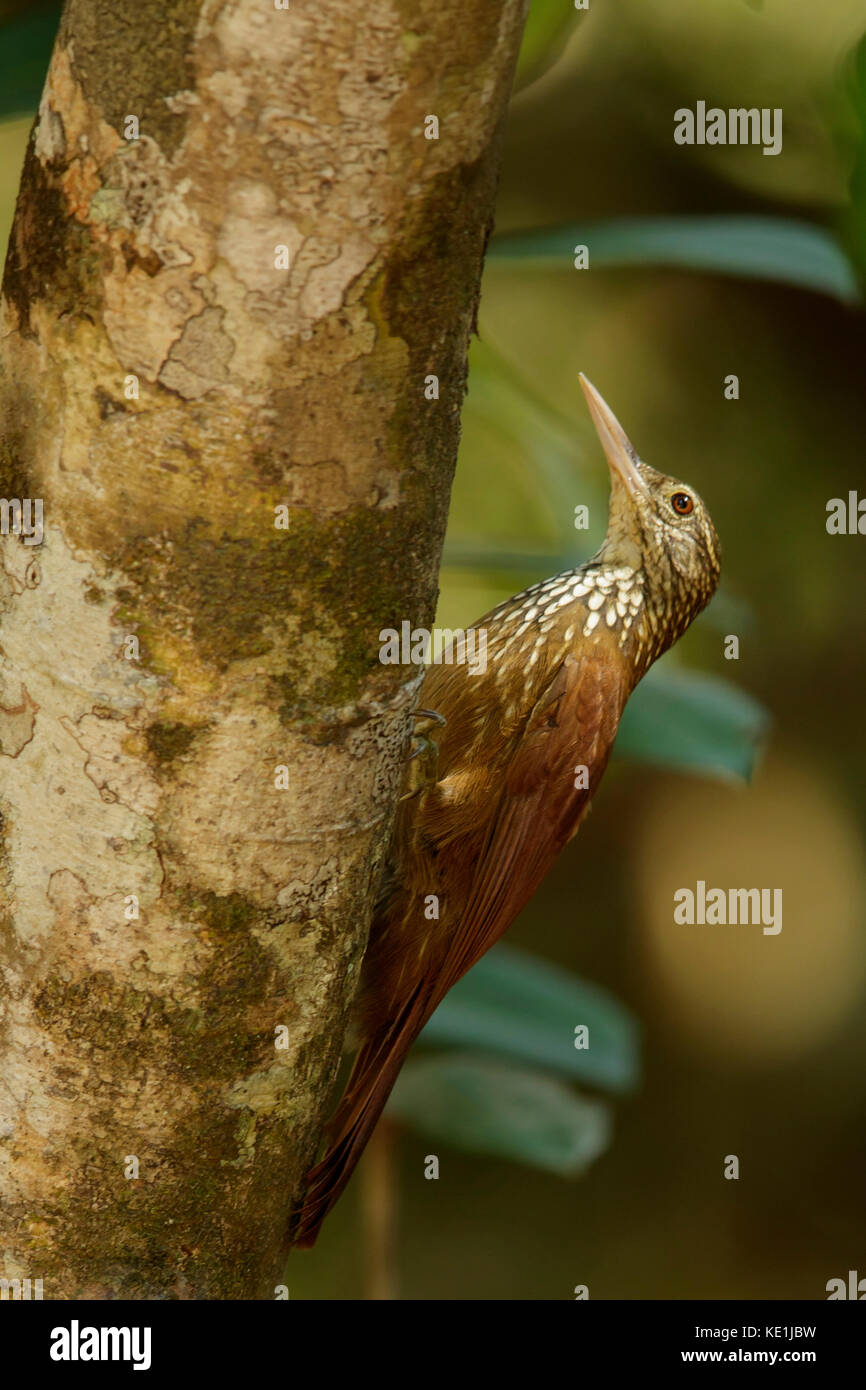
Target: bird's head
[656,525]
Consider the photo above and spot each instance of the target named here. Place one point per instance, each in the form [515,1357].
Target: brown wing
[572,724]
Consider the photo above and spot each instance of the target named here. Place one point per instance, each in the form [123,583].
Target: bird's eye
[682,503]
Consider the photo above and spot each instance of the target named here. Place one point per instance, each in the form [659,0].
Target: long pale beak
[620,452]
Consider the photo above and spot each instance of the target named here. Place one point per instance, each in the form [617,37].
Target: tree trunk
[212,376]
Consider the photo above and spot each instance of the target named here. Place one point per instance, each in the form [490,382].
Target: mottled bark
[141,779]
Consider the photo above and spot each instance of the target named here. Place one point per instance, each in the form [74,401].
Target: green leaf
[547,440]
[764,248]
[694,722]
[549,26]
[493,1107]
[26,42]
[855,217]
[515,1005]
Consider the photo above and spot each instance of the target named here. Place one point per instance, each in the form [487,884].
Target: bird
[519,751]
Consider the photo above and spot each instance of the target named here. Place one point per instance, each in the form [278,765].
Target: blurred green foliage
[549,25]
[854,223]
[493,1107]
[512,1007]
[520,1007]
[693,722]
[26,40]
[762,248]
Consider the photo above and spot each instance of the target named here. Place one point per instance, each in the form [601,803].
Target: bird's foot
[423,761]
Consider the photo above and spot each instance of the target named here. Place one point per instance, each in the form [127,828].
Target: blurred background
[605,1168]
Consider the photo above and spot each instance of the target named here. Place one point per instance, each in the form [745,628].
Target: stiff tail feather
[376,1068]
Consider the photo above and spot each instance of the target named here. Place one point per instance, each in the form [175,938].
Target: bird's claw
[424,774]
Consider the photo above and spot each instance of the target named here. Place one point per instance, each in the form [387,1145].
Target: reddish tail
[376,1068]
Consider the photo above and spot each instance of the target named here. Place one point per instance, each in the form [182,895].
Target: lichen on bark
[169,907]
